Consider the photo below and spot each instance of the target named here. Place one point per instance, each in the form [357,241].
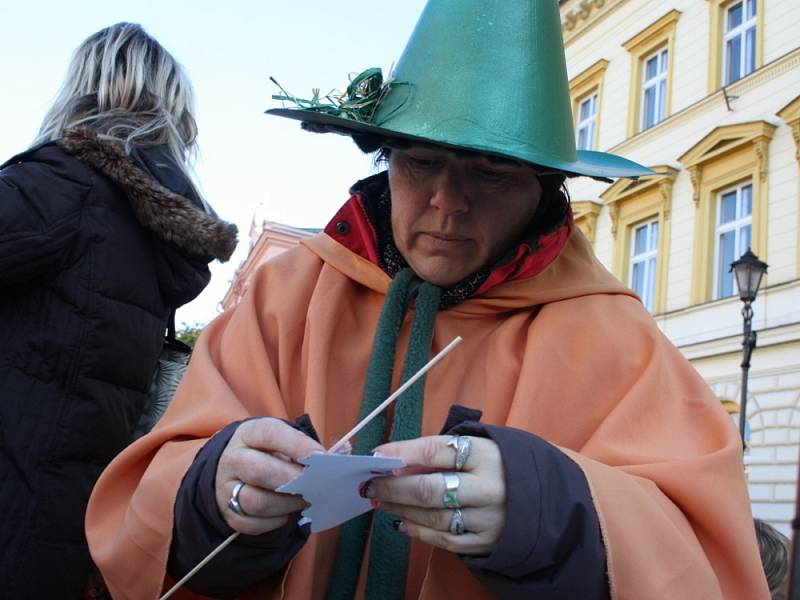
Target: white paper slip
[330,483]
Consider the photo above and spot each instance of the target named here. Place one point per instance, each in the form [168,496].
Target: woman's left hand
[417,493]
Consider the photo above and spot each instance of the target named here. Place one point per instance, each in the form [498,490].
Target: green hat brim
[598,165]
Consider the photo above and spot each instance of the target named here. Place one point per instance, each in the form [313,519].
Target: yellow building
[706,93]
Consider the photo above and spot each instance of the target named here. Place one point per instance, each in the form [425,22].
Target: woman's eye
[491,175]
[421,163]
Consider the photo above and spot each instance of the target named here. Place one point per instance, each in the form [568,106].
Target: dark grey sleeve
[199,528]
[551,545]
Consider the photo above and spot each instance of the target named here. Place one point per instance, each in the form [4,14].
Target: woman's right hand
[261,454]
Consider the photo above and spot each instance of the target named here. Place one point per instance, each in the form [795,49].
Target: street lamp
[748,271]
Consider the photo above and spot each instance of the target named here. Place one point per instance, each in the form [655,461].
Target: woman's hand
[261,454]
[416,495]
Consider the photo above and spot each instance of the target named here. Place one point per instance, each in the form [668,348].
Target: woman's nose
[449,194]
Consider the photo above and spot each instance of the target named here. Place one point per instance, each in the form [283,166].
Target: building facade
[707,94]
[267,239]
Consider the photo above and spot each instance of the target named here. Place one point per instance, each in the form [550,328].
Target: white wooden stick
[201,564]
[428,366]
[411,380]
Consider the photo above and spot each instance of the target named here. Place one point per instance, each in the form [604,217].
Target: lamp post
[748,271]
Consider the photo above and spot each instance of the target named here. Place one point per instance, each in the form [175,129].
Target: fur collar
[170,216]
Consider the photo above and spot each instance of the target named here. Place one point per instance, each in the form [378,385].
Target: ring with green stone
[450,496]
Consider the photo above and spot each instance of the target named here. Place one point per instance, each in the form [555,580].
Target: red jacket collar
[352,228]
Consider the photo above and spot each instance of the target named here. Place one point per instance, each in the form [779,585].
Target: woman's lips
[447,237]
[444,241]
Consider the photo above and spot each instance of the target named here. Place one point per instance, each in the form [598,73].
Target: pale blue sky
[249,162]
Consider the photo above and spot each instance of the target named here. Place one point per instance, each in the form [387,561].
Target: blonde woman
[102,235]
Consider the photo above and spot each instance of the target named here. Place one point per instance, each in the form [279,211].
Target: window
[736,40]
[587,114]
[654,89]
[644,250]
[652,52]
[585,90]
[733,235]
[640,225]
[728,170]
[740,40]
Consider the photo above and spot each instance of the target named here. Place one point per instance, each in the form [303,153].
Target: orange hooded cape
[570,355]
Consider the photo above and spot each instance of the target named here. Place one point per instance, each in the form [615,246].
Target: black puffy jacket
[96,248]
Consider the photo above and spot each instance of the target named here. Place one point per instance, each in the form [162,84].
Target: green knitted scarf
[389,549]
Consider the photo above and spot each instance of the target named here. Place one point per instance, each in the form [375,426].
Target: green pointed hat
[482,75]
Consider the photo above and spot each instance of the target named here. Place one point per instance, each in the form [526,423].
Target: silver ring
[456,522]
[233,501]
[462,445]
[450,496]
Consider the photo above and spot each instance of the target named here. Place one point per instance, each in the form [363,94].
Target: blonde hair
[125,86]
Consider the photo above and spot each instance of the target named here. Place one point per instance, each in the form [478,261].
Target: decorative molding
[625,189]
[654,33]
[613,211]
[582,15]
[724,140]
[665,189]
[585,214]
[761,148]
[587,78]
[695,173]
[790,114]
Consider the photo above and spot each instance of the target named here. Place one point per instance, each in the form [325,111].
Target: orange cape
[569,355]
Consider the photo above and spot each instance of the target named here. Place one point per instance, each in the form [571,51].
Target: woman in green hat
[564,450]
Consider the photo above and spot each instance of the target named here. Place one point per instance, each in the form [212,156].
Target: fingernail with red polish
[365,490]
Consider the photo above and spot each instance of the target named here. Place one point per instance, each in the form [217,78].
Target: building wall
[267,240]
[708,331]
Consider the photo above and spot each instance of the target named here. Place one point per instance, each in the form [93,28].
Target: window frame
[716,57]
[631,203]
[589,122]
[655,83]
[587,83]
[736,226]
[726,156]
[658,36]
[650,254]
[740,31]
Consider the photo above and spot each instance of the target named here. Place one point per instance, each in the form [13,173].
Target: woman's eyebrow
[466,154]
[499,160]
